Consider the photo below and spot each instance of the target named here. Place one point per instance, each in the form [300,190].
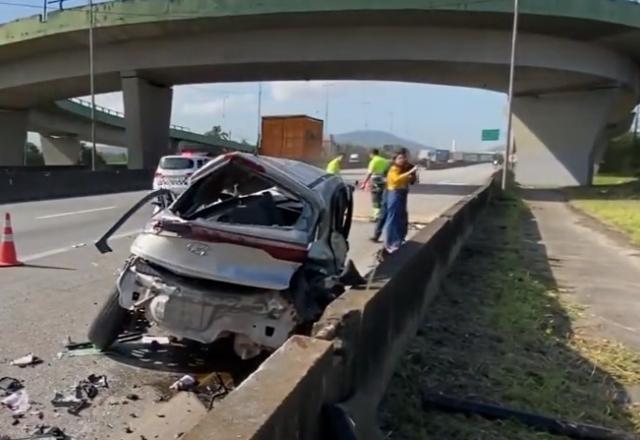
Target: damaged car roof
[308,175]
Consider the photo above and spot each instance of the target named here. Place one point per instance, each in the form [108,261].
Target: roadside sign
[492,134]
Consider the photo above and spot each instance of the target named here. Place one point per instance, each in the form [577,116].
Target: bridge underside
[569,93]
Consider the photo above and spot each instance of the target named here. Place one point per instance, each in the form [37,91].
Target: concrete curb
[354,347]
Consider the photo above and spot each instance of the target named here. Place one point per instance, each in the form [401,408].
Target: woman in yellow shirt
[397,191]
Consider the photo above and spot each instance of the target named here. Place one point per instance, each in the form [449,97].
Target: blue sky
[432,115]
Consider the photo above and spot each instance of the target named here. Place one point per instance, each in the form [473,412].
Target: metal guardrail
[82,108]
[121,115]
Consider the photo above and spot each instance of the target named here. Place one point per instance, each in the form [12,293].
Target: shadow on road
[42,266]
[191,358]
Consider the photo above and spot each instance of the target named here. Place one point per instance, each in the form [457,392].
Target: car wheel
[109,323]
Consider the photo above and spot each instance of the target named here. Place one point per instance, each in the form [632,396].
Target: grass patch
[501,332]
[614,200]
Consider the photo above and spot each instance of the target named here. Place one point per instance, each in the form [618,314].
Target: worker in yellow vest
[335,165]
[375,180]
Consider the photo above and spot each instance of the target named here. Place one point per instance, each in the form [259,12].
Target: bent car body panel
[245,254]
[217,261]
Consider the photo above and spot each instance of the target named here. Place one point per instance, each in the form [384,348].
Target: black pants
[382,217]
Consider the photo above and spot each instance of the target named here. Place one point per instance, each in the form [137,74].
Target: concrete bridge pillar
[147,109]
[60,150]
[558,137]
[13,136]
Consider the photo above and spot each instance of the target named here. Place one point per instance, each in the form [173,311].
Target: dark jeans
[397,218]
[382,217]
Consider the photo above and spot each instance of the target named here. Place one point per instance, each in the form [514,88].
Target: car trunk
[240,222]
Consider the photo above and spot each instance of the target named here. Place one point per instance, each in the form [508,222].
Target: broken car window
[236,194]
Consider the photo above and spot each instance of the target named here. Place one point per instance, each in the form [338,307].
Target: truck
[442,156]
[296,137]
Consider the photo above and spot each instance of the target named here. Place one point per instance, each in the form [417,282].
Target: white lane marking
[62,250]
[449,182]
[85,211]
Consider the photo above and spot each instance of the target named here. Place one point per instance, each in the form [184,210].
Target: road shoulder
[511,327]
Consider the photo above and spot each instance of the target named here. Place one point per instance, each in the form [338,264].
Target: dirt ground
[502,331]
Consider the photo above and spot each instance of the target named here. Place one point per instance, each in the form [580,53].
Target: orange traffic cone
[8,256]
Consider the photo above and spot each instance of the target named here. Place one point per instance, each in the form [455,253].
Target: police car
[173,172]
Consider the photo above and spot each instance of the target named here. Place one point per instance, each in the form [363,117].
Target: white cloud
[287,90]
[214,106]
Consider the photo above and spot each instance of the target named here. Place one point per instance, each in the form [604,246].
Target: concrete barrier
[353,348]
[22,186]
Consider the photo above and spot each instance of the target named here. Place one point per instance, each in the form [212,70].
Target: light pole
[224,103]
[259,116]
[508,146]
[635,128]
[365,104]
[92,88]
[326,110]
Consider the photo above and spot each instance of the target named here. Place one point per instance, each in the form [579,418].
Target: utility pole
[224,103]
[326,111]
[508,146]
[635,128]
[92,86]
[366,114]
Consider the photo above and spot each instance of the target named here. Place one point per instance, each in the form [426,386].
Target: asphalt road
[58,293]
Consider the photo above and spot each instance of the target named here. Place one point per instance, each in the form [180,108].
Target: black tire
[109,323]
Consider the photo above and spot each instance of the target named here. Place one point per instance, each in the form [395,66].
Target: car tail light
[158,175]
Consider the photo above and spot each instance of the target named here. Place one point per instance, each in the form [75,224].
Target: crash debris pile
[201,392]
[79,399]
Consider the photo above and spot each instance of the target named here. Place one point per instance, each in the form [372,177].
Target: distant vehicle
[253,249]
[173,172]
[354,158]
[442,156]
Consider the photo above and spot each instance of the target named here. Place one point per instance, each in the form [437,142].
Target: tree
[216,131]
[85,158]
[33,156]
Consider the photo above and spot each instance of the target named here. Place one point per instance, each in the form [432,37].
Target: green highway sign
[492,134]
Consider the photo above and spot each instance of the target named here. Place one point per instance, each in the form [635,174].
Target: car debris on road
[75,349]
[9,385]
[42,432]
[185,383]
[26,361]
[18,403]
[254,248]
[84,391]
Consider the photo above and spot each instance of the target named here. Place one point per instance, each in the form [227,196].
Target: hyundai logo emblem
[198,249]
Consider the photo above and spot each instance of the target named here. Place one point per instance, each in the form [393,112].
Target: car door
[342,211]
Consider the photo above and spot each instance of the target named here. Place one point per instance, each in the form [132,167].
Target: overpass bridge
[577,77]
[63,124]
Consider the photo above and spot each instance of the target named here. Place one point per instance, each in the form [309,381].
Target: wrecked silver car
[254,249]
